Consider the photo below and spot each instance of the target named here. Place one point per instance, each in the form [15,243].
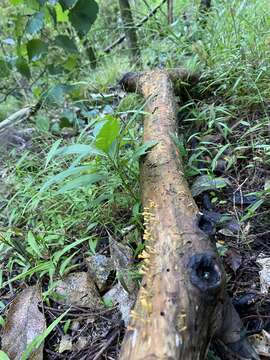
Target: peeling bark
[182,303]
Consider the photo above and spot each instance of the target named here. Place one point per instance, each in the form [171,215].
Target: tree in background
[130,30]
[205,5]
[170,11]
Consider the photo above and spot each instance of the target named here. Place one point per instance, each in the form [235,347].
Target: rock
[122,299]
[79,289]
[99,268]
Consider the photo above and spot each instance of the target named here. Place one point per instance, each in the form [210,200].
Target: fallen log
[182,304]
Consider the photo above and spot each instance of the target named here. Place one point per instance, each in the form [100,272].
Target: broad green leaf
[56,95]
[80,149]
[66,43]
[35,23]
[55,69]
[71,62]
[43,123]
[206,182]
[32,4]
[82,181]
[16,2]
[107,134]
[83,15]
[36,343]
[61,15]
[33,244]
[36,49]
[67,4]
[22,67]
[63,175]
[3,356]
[144,149]
[4,69]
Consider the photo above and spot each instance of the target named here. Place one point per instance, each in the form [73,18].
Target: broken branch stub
[182,302]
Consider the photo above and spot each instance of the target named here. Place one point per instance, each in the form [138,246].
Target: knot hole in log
[205,273]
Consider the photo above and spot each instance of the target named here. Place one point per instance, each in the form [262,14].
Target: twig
[122,37]
[108,343]
[17,117]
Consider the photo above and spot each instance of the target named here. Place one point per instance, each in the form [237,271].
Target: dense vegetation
[70,172]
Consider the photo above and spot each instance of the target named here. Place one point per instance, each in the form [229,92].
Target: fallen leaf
[206,182]
[79,289]
[261,343]
[81,342]
[244,302]
[65,344]
[267,184]
[24,323]
[233,259]
[264,262]
[227,232]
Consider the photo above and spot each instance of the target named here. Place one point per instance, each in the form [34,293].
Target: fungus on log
[182,304]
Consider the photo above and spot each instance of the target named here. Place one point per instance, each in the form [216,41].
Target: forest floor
[70,210]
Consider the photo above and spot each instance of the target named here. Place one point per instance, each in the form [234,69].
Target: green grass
[43,233]
[45,227]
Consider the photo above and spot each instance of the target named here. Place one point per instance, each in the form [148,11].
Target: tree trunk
[130,30]
[205,5]
[170,11]
[182,303]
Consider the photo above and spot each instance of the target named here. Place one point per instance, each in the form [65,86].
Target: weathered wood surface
[182,303]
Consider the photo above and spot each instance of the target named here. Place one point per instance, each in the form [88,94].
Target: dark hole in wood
[205,273]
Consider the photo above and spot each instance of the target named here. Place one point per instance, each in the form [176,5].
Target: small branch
[107,344]
[17,117]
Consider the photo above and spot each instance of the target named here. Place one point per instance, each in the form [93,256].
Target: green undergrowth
[64,194]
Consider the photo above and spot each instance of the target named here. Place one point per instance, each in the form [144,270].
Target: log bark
[182,303]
